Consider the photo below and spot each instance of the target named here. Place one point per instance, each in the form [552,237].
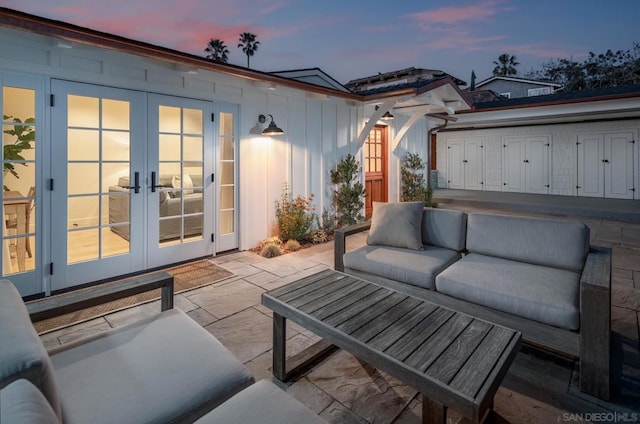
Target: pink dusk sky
[354,38]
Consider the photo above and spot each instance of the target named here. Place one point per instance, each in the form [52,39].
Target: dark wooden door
[375,167]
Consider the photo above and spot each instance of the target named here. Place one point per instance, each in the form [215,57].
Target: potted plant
[25,133]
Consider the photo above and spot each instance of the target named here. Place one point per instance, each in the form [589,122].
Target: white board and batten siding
[595,159]
[318,130]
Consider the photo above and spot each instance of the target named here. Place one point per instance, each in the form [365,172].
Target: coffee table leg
[279,346]
[433,412]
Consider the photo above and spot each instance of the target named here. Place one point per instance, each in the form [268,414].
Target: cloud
[453,15]
[463,40]
[271,8]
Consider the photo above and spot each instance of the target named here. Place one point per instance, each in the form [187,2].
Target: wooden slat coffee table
[453,359]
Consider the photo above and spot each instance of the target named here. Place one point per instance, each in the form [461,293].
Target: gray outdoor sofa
[162,369]
[536,275]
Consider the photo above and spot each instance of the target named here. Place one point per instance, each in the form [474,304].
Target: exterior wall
[563,157]
[318,131]
[414,141]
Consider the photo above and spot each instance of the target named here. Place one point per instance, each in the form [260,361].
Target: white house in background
[314,76]
[513,87]
[146,156]
[574,144]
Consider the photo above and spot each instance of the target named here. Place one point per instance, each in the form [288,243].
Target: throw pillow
[186,184]
[396,225]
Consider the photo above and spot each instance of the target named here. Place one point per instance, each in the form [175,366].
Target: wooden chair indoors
[11,222]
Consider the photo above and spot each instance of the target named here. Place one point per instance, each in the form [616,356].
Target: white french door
[180,171]
[132,182]
[97,198]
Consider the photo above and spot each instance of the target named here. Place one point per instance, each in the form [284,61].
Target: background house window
[540,91]
[507,95]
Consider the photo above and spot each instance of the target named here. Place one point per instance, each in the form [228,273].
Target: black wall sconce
[387,115]
[272,129]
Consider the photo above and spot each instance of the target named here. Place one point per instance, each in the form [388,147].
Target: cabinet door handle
[526,161]
[605,160]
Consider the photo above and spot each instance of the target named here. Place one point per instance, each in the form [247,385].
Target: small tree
[217,51]
[25,134]
[248,44]
[349,193]
[505,65]
[414,187]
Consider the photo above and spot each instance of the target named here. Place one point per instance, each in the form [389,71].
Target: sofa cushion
[185,183]
[22,354]
[22,403]
[444,228]
[416,267]
[542,241]
[396,225]
[540,293]
[263,402]
[166,368]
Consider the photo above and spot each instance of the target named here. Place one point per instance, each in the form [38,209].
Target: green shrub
[292,245]
[414,187]
[318,236]
[294,216]
[328,224]
[349,193]
[262,243]
[270,251]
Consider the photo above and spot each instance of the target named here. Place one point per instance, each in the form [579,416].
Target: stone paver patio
[539,388]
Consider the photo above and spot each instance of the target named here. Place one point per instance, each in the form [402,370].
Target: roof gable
[312,76]
[518,80]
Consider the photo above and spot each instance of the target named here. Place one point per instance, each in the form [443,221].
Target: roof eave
[554,103]
[25,22]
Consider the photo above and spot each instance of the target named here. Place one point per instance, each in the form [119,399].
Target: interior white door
[618,165]
[180,158]
[97,202]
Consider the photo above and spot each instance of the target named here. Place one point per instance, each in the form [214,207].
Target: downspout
[446,119]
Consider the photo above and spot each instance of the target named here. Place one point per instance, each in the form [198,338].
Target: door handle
[153,183]
[605,160]
[526,161]
[136,183]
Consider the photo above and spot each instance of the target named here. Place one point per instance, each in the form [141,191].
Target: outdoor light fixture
[387,115]
[272,129]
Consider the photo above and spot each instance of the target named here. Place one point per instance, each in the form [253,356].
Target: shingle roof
[568,97]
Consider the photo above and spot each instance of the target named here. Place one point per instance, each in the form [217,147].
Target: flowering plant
[295,215]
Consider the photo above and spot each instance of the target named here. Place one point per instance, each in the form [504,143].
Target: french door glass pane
[226,214]
[98,156]
[18,196]
[181,165]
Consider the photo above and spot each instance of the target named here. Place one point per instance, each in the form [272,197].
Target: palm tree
[218,52]
[505,65]
[248,44]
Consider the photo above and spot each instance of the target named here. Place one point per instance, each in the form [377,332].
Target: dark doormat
[185,277]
